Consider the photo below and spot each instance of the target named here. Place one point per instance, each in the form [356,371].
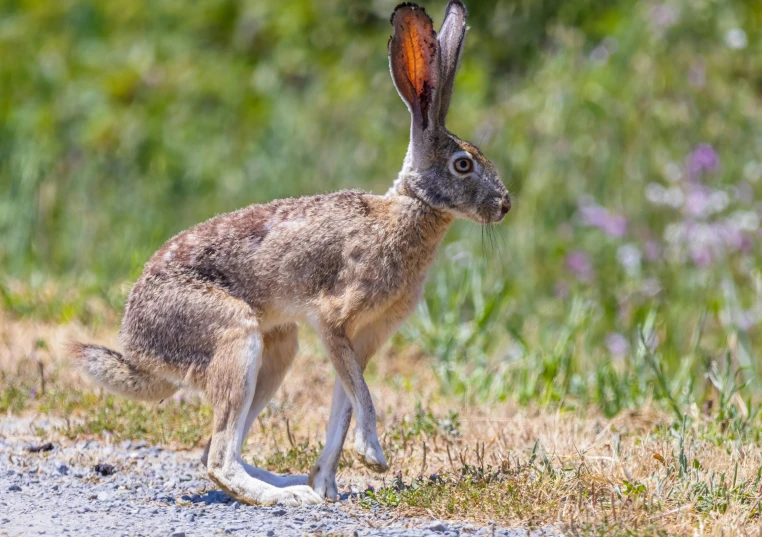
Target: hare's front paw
[371,454]
[324,483]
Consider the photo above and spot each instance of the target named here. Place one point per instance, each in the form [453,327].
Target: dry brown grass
[639,473]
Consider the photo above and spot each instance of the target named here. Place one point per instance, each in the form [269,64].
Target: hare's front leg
[350,372]
[365,344]
[323,474]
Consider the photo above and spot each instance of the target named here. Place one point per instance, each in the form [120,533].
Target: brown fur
[215,307]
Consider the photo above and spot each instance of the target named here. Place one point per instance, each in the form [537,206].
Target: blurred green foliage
[122,123]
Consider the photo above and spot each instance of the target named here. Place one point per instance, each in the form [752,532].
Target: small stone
[14,488]
[437,527]
[279,512]
[54,487]
[42,447]
[104,469]
[178,534]
[190,517]
[270,533]
[63,469]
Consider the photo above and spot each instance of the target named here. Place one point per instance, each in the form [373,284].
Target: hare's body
[340,261]
[217,306]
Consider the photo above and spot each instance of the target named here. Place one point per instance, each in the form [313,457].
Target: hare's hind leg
[281,346]
[231,381]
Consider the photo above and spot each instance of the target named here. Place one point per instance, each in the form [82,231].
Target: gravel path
[153,491]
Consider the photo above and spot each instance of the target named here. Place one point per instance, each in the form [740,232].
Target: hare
[217,307]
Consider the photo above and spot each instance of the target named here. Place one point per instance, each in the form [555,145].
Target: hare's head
[440,169]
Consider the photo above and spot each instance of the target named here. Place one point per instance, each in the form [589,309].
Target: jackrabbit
[216,307]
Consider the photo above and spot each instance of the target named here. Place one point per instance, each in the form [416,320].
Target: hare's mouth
[501,209]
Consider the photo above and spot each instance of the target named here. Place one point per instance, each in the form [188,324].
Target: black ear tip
[411,5]
[458,4]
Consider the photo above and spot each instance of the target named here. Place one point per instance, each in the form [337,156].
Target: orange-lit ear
[414,61]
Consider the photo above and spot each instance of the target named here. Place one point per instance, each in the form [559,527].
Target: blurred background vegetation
[630,133]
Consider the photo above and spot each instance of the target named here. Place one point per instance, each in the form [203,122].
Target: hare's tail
[113,371]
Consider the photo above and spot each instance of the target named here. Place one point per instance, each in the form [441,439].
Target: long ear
[451,38]
[414,63]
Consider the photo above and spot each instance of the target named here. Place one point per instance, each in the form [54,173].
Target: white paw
[371,454]
[298,495]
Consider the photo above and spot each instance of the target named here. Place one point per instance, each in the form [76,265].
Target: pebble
[14,488]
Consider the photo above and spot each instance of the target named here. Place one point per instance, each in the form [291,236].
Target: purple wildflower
[616,226]
[580,265]
[617,344]
[731,236]
[594,215]
[697,202]
[652,250]
[702,256]
[703,159]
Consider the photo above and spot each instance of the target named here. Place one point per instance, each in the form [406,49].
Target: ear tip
[407,5]
[459,5]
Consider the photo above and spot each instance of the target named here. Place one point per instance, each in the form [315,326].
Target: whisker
[499,236]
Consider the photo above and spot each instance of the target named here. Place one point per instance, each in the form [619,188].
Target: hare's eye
[463,165]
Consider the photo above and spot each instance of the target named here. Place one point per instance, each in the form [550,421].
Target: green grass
[122,126]
[584,497]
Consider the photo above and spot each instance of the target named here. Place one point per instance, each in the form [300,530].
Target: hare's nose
[506,205]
